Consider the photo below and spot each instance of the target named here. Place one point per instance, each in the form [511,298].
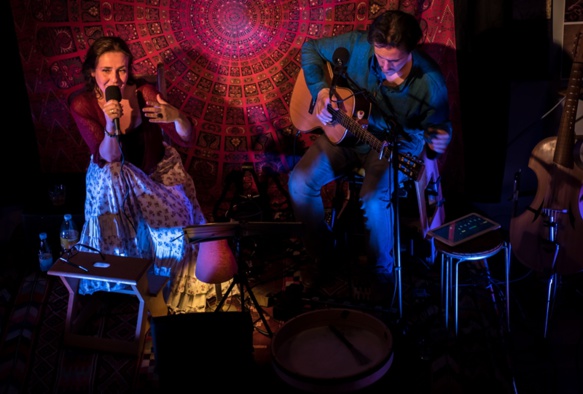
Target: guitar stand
[211,231]
[554,277]
[552,285]
[240,279]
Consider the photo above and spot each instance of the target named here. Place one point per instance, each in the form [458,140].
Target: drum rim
[280,367]
[337,386]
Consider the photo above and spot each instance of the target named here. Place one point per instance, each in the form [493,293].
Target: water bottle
[69,233]
[45,256]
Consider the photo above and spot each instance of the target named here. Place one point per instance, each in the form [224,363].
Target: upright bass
[548,235]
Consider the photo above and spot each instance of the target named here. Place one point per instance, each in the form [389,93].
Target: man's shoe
[384,276]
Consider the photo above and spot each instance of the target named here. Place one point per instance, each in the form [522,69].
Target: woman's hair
[395,28]
[98,48]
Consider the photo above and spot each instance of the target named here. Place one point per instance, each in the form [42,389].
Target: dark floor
[424,357]
[485,356]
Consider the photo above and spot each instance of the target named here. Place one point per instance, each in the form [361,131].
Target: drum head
[332,351]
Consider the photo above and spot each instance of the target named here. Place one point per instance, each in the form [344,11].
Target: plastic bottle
[69,233]
[45,255]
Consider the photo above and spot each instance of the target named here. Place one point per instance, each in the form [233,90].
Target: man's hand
[321,108]
[437,139]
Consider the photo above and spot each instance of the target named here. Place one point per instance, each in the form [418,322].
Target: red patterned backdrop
[230,64]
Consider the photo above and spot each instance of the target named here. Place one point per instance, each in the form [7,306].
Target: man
[409,101]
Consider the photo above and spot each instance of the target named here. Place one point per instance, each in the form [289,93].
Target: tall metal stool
[480,248]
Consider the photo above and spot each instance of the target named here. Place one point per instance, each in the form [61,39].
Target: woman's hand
[112,110]
[161,111]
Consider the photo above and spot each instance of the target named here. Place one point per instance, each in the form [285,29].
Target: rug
[33,359]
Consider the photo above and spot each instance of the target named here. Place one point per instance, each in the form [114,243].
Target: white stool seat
[130,271]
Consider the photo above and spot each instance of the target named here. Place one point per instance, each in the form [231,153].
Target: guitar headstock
[411,165]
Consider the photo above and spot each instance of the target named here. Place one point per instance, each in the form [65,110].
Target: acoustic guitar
[350,124]
[548,236]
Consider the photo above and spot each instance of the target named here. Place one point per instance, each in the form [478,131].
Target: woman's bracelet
[112,135]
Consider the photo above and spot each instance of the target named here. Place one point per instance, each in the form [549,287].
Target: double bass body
[548,235]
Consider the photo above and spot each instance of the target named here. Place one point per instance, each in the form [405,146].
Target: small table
[127,270]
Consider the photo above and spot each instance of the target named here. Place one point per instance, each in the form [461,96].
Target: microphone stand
[394,131]
[338,72]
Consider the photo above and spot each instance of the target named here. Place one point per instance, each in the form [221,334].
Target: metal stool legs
[450,262]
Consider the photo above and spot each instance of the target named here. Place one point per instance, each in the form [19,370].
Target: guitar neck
[566,135]
[565,144]
[407,163]
[359,132]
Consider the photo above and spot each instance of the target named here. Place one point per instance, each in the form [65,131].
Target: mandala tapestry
[230,64]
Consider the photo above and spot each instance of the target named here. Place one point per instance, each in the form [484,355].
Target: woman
[139,196]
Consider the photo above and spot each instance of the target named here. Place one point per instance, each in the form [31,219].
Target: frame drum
[332,351]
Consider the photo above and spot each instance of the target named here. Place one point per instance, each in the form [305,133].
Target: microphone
[112,92]
[339,58]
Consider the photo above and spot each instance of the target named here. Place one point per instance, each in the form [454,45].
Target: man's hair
[395,28]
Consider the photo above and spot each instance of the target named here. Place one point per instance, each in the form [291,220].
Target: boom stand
[240,279]
[395,132]
[397,231]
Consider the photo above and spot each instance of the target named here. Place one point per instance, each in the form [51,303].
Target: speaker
[214,348]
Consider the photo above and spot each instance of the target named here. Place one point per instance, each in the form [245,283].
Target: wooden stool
[127,270]
[480,248]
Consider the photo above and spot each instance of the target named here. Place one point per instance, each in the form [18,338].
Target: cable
[76,246]
[128,188]
[524,130]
